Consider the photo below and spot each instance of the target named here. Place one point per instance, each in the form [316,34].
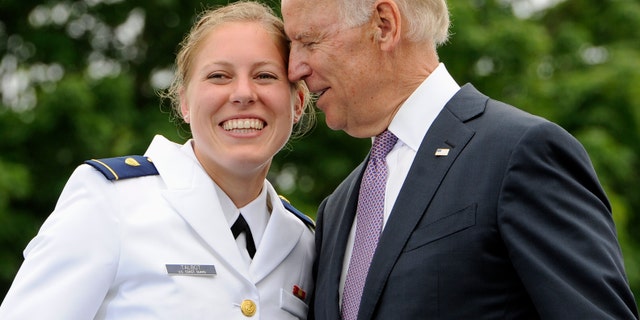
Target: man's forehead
[305,19]
[293,8]
[309,10]
[306,4]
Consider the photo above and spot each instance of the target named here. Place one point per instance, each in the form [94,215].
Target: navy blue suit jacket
[511,224]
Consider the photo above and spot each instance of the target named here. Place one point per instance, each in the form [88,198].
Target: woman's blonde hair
[241,11]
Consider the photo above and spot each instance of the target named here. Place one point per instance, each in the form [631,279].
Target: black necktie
[241,226]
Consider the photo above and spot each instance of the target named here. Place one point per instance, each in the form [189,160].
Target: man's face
[338,63]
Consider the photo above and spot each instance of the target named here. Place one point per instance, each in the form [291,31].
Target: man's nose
[299,69]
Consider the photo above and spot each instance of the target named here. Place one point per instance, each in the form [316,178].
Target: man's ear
[184,107]
[388,24]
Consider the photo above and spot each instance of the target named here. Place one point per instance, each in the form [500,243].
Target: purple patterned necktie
[370,214]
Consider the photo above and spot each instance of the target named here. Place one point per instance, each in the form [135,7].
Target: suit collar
[468,103]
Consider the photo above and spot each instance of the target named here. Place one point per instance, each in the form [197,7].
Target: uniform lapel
[428,170]
[280,237]
[192,194]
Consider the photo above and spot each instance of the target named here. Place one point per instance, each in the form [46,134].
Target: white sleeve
[71,263]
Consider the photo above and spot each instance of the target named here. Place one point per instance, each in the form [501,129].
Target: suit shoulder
[125,167]
[305,219]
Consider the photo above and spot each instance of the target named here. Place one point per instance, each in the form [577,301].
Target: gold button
[248,308]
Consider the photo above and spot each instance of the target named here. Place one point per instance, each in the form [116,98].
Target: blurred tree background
[79,79]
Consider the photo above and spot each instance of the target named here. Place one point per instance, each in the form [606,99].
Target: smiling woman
[234,247]
[240,85]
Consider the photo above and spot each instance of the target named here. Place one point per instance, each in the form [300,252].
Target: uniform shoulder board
[124,167]
[308,221]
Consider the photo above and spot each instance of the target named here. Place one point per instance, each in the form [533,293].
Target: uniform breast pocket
[293,304]
[442,227]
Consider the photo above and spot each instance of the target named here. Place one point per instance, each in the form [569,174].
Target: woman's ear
[298,107]
[388,24]
[184,107]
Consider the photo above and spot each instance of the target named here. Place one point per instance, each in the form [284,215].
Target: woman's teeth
[240,124]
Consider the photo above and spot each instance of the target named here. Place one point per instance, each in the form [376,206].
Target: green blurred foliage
[79,80]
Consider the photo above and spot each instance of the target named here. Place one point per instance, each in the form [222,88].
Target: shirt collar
[229,209]
[417,113]
[257,214]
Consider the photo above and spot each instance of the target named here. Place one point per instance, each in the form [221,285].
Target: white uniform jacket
[103,252]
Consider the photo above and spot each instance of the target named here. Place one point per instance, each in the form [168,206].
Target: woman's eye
[215,76]
[266,76]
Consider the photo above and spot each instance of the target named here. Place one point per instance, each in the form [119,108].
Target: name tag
[191,269]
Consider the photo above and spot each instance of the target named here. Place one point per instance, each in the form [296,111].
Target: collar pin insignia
[442,152]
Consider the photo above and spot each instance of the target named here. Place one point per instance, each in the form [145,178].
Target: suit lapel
[334,239]
[428,170]
[192,194]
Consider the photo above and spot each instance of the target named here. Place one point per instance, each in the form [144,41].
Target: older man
[466,208]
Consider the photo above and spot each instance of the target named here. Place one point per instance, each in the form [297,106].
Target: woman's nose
[244,92]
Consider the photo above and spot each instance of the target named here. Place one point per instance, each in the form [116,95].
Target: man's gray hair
[427,20]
